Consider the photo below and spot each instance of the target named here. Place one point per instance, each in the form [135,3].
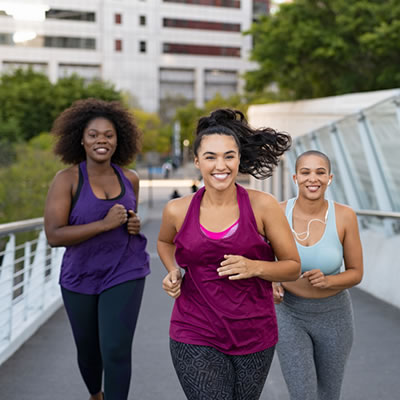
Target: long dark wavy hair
[70,124]
[260,149]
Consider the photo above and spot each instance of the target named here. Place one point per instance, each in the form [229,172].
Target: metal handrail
[21,226]
[377,213]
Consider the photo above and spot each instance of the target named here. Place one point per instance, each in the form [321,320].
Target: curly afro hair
[70,124]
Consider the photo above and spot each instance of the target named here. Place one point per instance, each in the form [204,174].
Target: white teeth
[101,150]
[220,176]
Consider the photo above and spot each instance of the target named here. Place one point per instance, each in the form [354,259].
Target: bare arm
[166,247]
[56,215]
[133,226]
[273,224]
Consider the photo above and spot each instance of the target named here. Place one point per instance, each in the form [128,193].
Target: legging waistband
[320,305]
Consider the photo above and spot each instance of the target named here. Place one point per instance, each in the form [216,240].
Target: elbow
[295,271]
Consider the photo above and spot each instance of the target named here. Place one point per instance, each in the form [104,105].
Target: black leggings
[207,374]
[103,326]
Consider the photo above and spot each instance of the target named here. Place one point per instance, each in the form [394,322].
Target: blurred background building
[159,51]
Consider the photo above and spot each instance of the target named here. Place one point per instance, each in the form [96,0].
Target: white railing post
[6,289]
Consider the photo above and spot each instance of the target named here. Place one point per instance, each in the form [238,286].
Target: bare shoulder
[344,211]
[131,174]
[67,176]
[178,208]
[261,200]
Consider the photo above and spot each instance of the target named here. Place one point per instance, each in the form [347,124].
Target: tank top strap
[246,211]
[289,210]
[331,220]
[82,167]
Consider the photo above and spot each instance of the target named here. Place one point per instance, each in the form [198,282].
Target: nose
[220,163]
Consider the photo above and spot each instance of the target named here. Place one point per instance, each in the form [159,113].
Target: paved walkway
[45,367]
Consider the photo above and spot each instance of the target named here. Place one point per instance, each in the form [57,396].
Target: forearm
[277,271]
[344,280]
[70,235]
[166,251]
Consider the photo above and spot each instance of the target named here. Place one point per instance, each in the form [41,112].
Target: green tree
[315,48]
[24,184]
[30,102]
[156,137]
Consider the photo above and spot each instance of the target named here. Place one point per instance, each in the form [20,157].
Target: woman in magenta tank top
[232,243]
[91,210]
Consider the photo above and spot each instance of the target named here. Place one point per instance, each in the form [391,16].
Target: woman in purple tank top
[91,210]
[232,243]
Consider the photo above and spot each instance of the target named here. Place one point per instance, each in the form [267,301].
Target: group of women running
[230,254]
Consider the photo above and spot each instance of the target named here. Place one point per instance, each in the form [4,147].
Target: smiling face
[99,139]
[218,160]
[312,176]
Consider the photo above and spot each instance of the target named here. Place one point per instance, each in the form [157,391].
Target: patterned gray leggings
[207,374]
[315,339]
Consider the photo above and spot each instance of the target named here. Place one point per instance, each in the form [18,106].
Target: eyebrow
[213,154]
[318,169]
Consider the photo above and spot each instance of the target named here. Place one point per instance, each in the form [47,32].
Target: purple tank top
[235,317]
[110,258]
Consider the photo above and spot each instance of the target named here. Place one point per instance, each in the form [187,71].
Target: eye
[230,157]
[210,158]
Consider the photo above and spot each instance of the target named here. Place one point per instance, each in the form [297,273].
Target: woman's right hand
[117,215]
[278,292]
[172,283]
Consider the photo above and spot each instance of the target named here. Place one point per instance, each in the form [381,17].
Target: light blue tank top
[327,253]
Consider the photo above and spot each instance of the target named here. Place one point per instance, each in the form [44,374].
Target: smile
[220,177]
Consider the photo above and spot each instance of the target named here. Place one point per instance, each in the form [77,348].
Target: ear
[294,179]
[196,162]
[330,179]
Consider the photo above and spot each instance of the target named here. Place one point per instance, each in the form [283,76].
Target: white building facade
[156,50]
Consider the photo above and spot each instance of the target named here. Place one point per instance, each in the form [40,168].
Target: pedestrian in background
[91,209]
[315,315]
[223,328]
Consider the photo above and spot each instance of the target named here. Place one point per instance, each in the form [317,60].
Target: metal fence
[29,291]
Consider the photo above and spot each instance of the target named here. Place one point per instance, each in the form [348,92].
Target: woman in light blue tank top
[314,313]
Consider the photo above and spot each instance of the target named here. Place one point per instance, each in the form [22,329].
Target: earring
[329,182]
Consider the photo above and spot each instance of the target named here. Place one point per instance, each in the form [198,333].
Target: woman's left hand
[236,267]
[316,278]
[133,224]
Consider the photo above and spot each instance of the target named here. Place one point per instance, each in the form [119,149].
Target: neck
[310,207]
[95,168]
[218,198]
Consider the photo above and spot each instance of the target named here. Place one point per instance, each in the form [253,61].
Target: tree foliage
[24,183]
[156,136]
[30,102]
[316,48]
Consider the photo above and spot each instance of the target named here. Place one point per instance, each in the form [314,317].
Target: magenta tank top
[235,317]
[110,258]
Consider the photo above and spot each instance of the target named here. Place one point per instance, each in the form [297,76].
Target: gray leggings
[315,339]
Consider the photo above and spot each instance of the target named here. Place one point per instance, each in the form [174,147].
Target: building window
[142,46]
[213,3]
[118,19]
[204,25]
[62,42]
[118,45]
[71,15]
[201,50]
[69,42]
[142,20]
